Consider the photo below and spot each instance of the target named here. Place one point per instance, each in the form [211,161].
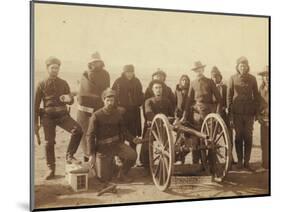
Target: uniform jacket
[50,90]
[242,94]
[103,125]
[201,96]
[155,105]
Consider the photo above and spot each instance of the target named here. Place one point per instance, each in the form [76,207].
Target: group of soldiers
[107,117]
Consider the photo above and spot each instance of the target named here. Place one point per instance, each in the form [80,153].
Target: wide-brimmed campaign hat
[197,65]
[95,57]
[264,72]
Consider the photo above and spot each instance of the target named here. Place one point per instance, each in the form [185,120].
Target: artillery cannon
[214,146]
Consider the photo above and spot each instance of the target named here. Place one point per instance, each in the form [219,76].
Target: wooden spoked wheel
[161,151]
[217,153]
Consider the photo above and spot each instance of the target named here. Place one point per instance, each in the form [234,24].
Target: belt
[109,140]
[55,109]
[85,109]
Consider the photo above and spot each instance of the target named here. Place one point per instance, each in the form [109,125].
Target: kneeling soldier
[55,94]
[105,138]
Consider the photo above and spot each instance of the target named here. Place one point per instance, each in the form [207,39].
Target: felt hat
[197,65]
[95,57]
[53,60]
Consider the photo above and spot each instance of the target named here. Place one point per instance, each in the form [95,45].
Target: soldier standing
[93,82]
[105,139]
[263,117]
[129,96]
[55,94]
[242,101]
[200,102]
[154,105]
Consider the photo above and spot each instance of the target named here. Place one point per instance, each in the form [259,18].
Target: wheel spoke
[218,138]
[157,169]
[156,158]
[164,171]
[158,130]
[206,126]
[155,135]
[166,154]
[219,154]
[211,128]
[166,164]
[215,130]
[160,172]
[221,146]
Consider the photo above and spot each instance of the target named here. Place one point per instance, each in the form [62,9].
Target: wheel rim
[161,153]
[218,153]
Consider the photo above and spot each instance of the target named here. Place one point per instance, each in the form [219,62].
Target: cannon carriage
[168,139]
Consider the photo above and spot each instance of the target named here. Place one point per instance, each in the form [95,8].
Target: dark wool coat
[243,95]
[129,95]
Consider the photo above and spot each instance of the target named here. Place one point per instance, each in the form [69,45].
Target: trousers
[64,121]
[243,126]
[105,154]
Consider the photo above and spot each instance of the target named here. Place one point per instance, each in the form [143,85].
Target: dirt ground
[57,193]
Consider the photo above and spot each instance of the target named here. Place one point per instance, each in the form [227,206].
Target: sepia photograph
[142,105]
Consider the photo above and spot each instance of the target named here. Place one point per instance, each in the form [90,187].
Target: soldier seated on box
[152,106]
[55,94]
[105,138]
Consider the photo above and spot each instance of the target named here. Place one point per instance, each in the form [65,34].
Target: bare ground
[57,193]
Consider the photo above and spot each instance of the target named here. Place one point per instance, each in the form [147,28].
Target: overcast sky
[149,39]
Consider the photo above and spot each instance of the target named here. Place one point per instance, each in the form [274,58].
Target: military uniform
[200,103]
[105,138]
[153,106]
[55,113]
[242,102]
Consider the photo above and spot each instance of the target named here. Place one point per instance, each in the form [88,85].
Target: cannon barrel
[189,130]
